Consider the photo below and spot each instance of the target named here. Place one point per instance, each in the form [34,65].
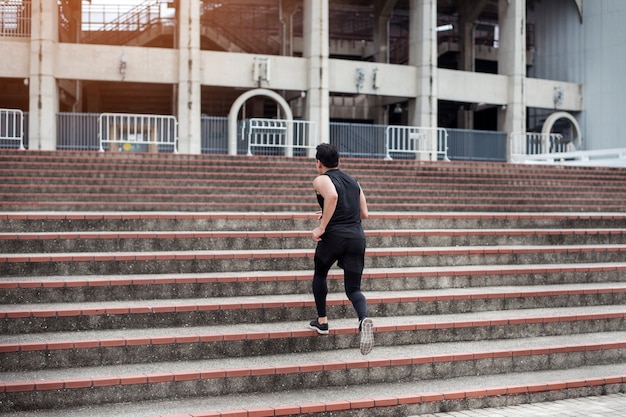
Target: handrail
[432,141]
[12,126]
[137,132]
[133,21]
[263,39]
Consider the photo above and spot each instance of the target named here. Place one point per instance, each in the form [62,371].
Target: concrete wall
[590,52]
[604,73]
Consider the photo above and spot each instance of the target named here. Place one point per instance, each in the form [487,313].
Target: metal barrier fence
[534,143]
[138,132]
[476,145]
[214,135]
[279,137]
[12,127]
[80,131]
[15,18]
[357,140]
[415,141]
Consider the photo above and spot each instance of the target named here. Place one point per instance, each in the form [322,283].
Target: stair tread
[334,273]
[370,250]
[322,357]
[287,398]
[289,326]
[307,298]
[188,234]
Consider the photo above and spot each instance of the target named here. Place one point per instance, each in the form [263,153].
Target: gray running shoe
[367,335]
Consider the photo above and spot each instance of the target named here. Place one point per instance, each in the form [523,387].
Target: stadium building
[430,79]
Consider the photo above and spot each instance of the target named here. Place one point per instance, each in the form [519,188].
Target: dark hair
[328,155]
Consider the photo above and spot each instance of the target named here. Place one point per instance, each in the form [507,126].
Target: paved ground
[613,405]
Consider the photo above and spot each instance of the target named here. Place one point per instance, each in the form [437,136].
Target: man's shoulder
[338,171]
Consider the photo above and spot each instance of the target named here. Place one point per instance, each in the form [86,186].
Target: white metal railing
[12,126]
[430,141]
[535,143]
[603,157]
[137,132]
[279,134]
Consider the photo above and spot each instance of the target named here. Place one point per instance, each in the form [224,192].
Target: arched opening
[236,107]
[567,126]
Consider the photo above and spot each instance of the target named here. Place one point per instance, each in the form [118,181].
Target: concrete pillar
[189,77]
[469,11]
[288,8]
[465,116]
[466,41]
[512,63]
[43,89]
[316,49]
[383,10]
[423,56]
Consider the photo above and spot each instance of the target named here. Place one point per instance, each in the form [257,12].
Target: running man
[340,238]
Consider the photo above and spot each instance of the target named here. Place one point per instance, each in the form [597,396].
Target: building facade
[509,66]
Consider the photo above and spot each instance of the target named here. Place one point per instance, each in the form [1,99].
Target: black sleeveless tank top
[346,221]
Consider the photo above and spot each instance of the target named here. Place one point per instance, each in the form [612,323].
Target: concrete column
[189,77]
[469,11]
[383,10]
[43,89]
[465,116]
[466,42]
[512,62]
[288,8]
[423,56]
[315,49]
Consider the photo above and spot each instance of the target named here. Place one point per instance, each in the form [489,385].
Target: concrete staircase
[176,285]
[89,181]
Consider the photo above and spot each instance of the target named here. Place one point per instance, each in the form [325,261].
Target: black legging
[351,256]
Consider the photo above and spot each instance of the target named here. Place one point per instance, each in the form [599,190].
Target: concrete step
[201,179]
[194,206]
[51,317]
[98,263]
[178,199]
[54,242]
[35,351]
[58,289]
[280,193]
[192,182]
[389,398]
[45,222]
[339,368]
